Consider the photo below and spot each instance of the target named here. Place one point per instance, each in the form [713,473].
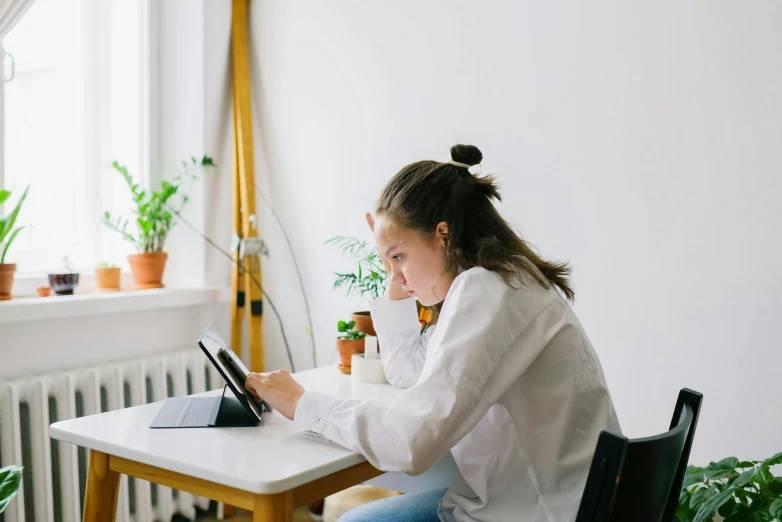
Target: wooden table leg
[274,508]
[100,499]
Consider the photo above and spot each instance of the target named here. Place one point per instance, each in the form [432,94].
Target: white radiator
[55,472]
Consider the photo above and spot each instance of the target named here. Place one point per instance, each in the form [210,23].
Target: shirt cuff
[313,411]
[394,316]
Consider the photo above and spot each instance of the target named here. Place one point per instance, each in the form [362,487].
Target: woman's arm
[402,345]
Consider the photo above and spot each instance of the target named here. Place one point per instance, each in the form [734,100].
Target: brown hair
[425,193]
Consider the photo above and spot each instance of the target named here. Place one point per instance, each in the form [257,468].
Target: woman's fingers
[279,390]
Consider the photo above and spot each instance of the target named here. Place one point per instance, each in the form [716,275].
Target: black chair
[640,480]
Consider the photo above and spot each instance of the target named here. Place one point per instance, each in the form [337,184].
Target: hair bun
[468,154]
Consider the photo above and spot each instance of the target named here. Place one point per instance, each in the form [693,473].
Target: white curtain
[11,11]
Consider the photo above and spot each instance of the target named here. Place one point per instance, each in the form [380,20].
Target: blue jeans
[411,507]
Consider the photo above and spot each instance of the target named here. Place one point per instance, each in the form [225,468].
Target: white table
[270,469]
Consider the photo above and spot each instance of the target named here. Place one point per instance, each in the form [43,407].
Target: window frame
[97,74]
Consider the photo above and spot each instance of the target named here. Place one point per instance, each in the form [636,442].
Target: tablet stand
[228,412]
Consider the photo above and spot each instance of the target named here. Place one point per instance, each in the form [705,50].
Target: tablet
[211,343]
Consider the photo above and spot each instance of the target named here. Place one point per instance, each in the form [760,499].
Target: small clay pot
[44,291]
[107,279]
[147,269]
[346,349]
[7,271]
[64,284]
[364,323]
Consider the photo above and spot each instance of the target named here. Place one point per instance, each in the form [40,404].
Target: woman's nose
[396,276]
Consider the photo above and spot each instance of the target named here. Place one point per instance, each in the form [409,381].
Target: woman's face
[417,263]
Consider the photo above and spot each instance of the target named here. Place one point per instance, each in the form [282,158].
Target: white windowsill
[25,309]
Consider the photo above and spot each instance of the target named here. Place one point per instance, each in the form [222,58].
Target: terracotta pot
[64,284]
[346,349]
[44,291]
[147,269]
[364,323]
[107,279]
[7,271]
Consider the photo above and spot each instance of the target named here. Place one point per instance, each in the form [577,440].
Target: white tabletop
[270,458]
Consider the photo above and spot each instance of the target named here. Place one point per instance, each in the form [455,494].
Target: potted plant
[369,278]
[7,235]
[155,216]
[351,341]
[10,479]
[65,282]
[107,278]
[736,491]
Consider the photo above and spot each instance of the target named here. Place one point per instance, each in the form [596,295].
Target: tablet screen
[210,342]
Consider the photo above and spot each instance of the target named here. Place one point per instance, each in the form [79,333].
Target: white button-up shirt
[508,382]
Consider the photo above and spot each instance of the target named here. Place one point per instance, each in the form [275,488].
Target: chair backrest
[640,480]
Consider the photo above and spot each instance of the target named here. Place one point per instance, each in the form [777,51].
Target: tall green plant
[744,491]
[7,231]
[370,277]
[10,478]
[155,210]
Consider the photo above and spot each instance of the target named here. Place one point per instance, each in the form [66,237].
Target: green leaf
[710,507]
[773,461]
[730,463]
[762,475]
[10,478]
[8,243]
[775,509]
[7,224]
[728,508]
[775,486]
[342,326]
[717,474]
[4,195]
[744,478]
[700,496]
[351,324]
[760,516]
[693,478]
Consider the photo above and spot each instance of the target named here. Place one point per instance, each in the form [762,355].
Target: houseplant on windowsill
[737,491]
[65,282]
[107,278]
[10,479]
[351,341]
[155,217]
[7,235]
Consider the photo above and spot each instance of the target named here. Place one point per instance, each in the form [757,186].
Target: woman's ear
[441,232]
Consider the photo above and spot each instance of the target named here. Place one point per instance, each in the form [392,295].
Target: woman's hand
[395,291]
[277,389]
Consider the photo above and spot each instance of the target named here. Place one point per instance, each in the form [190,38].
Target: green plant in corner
[7,231]
[10,478]
[347,331]
[744,491]
[155,210]
[370,277]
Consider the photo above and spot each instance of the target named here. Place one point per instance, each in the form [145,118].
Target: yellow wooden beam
[244,170]
[196,486]
[102,493]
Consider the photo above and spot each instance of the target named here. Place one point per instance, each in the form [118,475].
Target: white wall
[638,140]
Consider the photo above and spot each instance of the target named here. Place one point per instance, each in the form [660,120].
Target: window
[78,101]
